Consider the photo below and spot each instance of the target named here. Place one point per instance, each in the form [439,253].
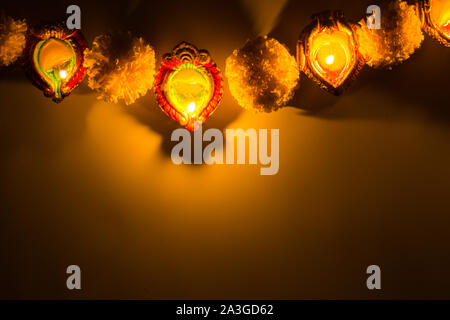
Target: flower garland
[262,75]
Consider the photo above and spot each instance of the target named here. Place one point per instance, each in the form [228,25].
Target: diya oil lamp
[327,51]
[188,85]
[53,60]
[435,17]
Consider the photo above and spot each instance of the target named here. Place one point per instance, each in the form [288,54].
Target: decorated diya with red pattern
[53,60]
[188,85]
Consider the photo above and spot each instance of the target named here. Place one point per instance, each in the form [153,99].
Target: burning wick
[191,107]
[330,59]
[63,74]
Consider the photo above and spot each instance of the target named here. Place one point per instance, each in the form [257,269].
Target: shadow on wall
[147,111]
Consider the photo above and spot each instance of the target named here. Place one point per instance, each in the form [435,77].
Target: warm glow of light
[54,53]
[191,107]
[188,85]
[446,28]
[440,15]
[330,59]
[54,60]
[189,89]
[332,55]
[63,74]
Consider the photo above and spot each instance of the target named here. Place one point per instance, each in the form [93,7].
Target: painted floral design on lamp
[328,51]
[53,60]
[435,17]
[188,85]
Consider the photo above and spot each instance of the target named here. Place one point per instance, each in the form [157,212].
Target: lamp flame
[330,59]
[63,74]
[191,107]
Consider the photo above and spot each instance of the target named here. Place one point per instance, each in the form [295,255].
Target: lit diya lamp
[435,16]
[53,60]
[188,85]
[328,51]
